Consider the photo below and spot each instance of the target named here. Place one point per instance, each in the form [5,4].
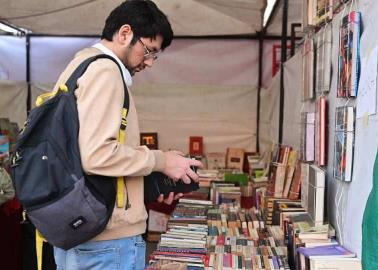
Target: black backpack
[67,206]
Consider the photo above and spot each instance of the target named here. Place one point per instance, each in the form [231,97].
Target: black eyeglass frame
[148,54]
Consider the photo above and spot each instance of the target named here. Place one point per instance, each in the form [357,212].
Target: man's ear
[125,35]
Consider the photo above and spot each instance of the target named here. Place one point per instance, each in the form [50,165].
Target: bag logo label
[78,222]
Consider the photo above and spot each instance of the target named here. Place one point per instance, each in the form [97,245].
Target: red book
[227,260]
[206,261]
[196,146]
[220,240]
[296,183]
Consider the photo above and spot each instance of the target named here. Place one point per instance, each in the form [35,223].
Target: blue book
[4,144]
[325,251]
[275,262]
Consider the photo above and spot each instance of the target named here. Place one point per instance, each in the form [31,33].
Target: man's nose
[149,62]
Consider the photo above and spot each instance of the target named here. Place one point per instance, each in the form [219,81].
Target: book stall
[278,224]
[300,188]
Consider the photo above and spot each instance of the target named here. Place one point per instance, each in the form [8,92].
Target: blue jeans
[120,254]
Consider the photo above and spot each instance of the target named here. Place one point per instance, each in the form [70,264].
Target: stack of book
[239,239]
[276,209]
[200,236]
[207,176]
[281,176]
[185,239]
[200,194]
[302,235]
[225,193]
[183,243]
[327,257]
[256,165]
[232,221]
[190,211]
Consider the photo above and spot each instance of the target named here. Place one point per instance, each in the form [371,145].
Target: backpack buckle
[15,159]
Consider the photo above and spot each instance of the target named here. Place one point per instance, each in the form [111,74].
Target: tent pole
[283,59]
[231,37]
[261,52]
[28,99]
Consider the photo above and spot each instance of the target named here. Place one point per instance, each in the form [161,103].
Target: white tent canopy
[294,16]
[87,17]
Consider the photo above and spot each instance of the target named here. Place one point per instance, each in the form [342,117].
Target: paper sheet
[367,90]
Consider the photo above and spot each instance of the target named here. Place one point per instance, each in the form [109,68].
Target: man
[134,33]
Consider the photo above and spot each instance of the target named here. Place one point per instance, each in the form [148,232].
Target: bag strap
[80,70]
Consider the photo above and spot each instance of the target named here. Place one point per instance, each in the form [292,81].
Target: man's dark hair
[144,17]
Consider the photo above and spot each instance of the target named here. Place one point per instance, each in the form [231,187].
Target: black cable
[49,12]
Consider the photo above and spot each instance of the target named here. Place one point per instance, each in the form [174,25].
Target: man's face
[142,54]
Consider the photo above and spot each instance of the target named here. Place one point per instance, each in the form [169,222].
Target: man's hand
[170,198]
[178,167]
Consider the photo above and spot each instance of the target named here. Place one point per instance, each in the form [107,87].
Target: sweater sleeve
[100,96]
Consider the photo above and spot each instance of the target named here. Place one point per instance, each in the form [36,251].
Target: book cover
[296,183]
[344,143]
[196,146]
[158,183]
[316,190]
[304,184]
[310,136]
[335,263]
[157,222]
[321,132]
[302,146]
[276,180]
[327,59]
[216,160]
[308,64]
[319,60]
[349,55]
[326,251]
[149,139]
[292,161]
[235,158]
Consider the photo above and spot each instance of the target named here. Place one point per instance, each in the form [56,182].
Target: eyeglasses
[148,54]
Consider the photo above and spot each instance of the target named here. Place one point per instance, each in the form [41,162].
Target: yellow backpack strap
[120,180]
[46,96]
[39,239]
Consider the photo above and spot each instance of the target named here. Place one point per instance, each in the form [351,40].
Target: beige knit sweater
[100,95]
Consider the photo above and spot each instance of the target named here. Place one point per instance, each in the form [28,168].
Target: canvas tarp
[13,101]
[189,17]
[223,71]
[269,114]
[176,112]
